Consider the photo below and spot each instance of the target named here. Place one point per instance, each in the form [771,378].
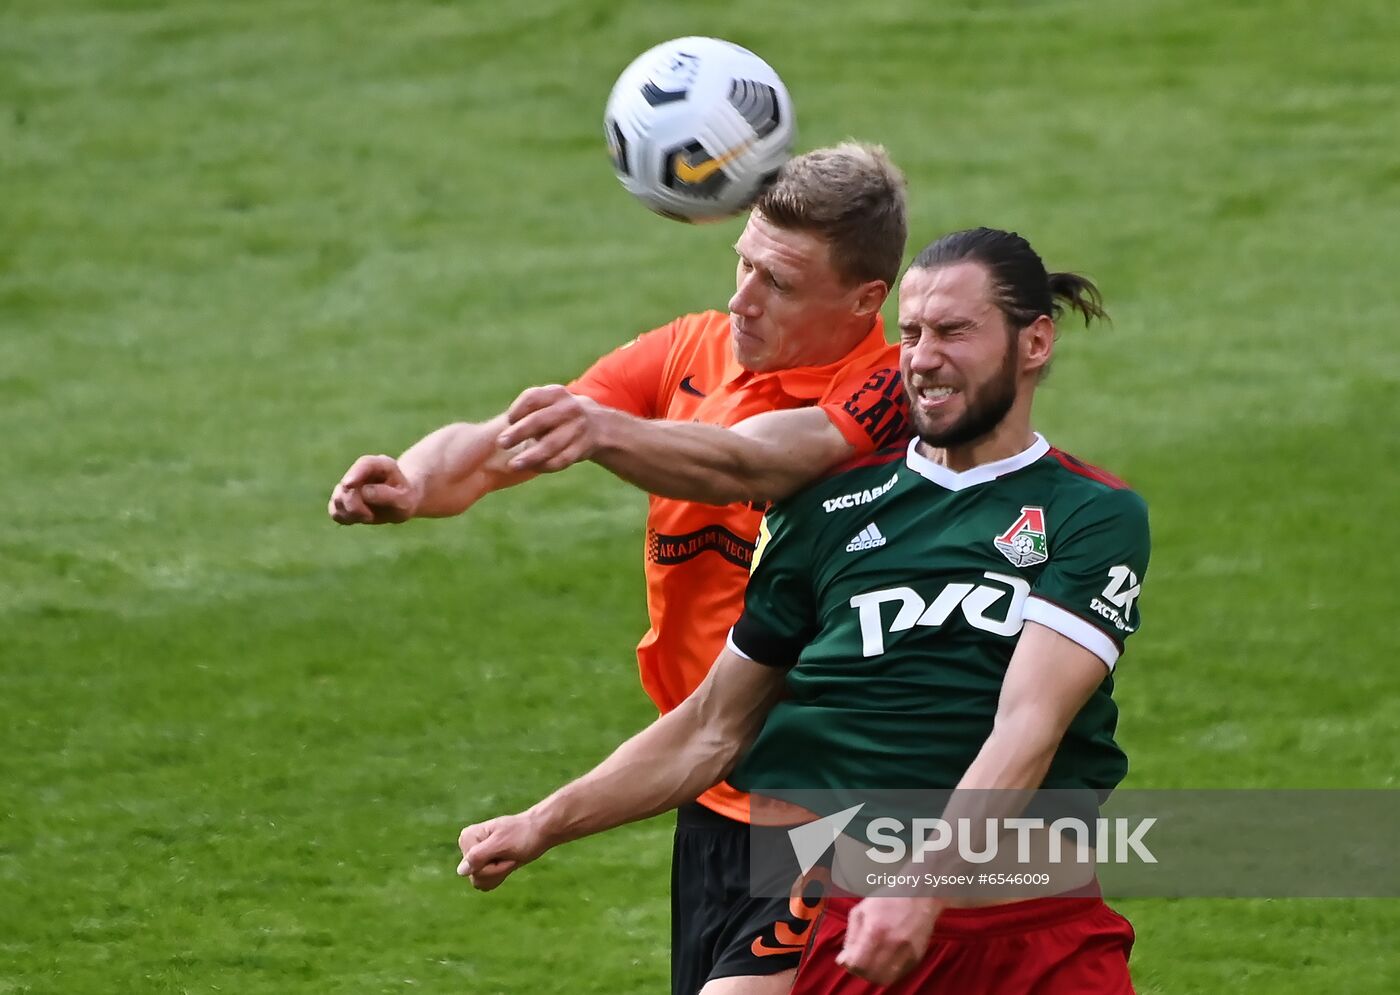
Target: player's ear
[870,297]
[1038,343]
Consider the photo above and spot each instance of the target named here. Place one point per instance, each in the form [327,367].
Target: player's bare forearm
[764,458]
[671,761]
[1047,682]
[455,466]
[1017,755]
[1049,679]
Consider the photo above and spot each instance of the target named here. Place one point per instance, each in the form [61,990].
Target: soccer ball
[697,127]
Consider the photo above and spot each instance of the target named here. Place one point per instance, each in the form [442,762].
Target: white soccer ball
[697,127]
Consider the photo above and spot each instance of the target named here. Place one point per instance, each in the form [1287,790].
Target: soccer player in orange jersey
[816,260]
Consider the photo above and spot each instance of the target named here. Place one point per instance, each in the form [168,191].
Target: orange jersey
[698,555]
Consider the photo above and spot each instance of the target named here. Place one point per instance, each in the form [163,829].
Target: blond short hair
[852,196]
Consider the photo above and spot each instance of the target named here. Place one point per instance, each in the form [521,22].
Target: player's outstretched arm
[763,458]
[443,474]
[668,763]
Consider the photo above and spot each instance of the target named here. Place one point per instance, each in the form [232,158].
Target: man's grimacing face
[959,359]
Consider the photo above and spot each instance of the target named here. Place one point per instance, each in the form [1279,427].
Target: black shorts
[718,930]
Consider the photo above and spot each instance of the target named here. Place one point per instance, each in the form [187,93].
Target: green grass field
[242,243]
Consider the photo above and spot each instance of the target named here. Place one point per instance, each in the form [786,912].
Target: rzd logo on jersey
[976,602]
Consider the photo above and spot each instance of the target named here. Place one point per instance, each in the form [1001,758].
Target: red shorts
[1043,946]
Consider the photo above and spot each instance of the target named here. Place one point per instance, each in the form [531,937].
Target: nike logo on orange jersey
[690,388]
[698,172]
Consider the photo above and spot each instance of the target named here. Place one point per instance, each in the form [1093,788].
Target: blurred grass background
[241,244]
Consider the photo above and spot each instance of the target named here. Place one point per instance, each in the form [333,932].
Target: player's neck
[1011,437]
[839,345]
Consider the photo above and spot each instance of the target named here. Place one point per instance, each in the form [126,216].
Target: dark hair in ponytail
[1021,287]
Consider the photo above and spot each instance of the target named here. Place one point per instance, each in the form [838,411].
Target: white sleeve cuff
[1071,626]
[729,642]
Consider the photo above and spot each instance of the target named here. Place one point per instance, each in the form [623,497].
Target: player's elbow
[760,481]
[716,488]
[715,752]
[741,469]
[740,490]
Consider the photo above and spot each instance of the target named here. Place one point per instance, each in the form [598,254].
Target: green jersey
[896,591]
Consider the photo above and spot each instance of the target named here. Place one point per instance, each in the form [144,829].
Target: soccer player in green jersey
[945,615]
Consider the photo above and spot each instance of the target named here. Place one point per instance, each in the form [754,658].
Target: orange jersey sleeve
[866,402]
[630,378]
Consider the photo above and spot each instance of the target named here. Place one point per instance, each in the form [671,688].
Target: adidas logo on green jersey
[867,538]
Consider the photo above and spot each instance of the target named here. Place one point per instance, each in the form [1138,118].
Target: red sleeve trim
[1078,466]
[879,458]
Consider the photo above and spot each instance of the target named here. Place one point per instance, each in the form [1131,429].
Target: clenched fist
[374,491]
[886,937]
[491,850]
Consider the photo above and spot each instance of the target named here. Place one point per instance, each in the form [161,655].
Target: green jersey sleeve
[780,615]
[1088,591]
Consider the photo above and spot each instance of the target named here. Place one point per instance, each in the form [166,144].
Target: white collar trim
[955,481]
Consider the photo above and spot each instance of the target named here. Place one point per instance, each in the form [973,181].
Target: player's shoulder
[869,375]
[706,326]
[1092,490]
[888,456]
[684,334]
[1079,469]
[854,482]
[882,357]
[700,341]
